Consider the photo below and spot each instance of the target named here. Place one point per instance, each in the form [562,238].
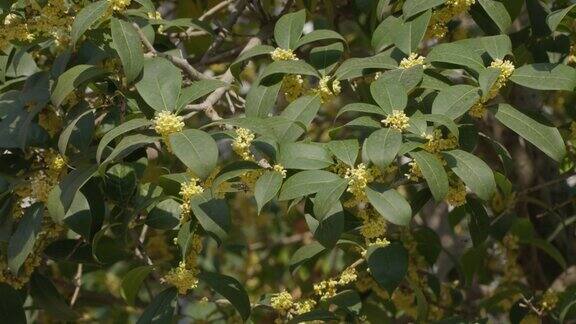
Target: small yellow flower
[549,300]
[280,169]
[155,15]
[413,60]
[348,276]
[305,306]
[182,278]
[358,179]
[437,143]
[327,91]
[166,123]
[506,68]
[281,54]
[326,289]
[379,242]
[456,194]
[190,189]
[415,173]
[478,110]
[118,5]
[242,142]
[282,302]
[292,87]
[397,120]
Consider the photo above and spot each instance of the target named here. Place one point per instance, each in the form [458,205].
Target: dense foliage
[287,161]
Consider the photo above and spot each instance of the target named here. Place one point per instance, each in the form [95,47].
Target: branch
[177,61]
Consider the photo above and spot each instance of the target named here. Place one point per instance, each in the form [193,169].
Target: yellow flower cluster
[292,87]
[188,190]
[166,123]
[155,15]
[249,179]
[412,60]
[281,54]
[287,307]
[157,247]
[50,121]
[397,120]
[327,91]
[456,194]
[242,142]
[185,276]
[373,226]
[328,288]
[440,18]
[118,5]
[280,169]
[415,173]
[437,143]
[506,68]
[52,20]
[358,179]
[549,300]
[512,272]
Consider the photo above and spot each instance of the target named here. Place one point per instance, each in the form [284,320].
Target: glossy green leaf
[72,79]
[132,281]
[319,35]
[382,146]
[414,7]
[161,83]
[544,137]
[86,18]
[455,101]
[117,131]
[433,172]
[288,29]
[212,214]
[391,205]
[304,156]
[161,309]
[345,150]
[266,188]
[197,90]
[306,183]
[22,241]
[388,265]
[129,47]
[473,171]
[389,95]
[545,76]
[230,289]
[196,149]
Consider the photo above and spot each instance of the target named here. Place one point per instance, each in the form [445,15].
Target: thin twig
[177,61]
[77,284]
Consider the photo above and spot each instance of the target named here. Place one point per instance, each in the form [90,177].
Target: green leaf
[478,221]
[382,146]
[391,205]
[49,299]
[361,108]
[129,144]
[497,12]
[288,29]
[257,50]
[160,84]
[473,171]
[196,149]
[388,265]
[382,37]
[317,315]
[165,215]
[212,214]
[117,131]
[87,17]
[302,110]
[549,249]
[129,47]
[61,196]
[132,281]
[455,101]
[230,289]
[197,90]
[78,217]
[544,137]
[456,54]
[319,35]
[267,186]
[325,58]
[81,126]
[22,241]
[328,197]
[304,156]
[73,79]
[389,95]
[433,172]
[161,309]
[11,305]
[289,67]
[555,18]
[414,7]
[487,79]
[355,67]
[410,33]
[497,46]
[261,99]
[306,254]
[428,244]
[410,77]
[545,76]
[345,150]
[306,183]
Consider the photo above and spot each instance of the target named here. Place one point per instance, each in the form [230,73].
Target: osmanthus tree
[287,161]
